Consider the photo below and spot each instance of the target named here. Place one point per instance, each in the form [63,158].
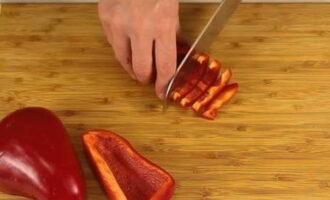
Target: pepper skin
[182,49]
[209,95]
[223,97]
[37,159]
[199,63]
[124,173]
[208,79]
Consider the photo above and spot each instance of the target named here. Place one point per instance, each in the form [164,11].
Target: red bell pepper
[208,79]
[209,95]
[124,173]
[182,49]
[223,97]
[199,64]
[37,159]
[195,89]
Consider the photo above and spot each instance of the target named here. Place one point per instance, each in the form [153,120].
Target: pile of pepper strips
[202,89]
[38,161]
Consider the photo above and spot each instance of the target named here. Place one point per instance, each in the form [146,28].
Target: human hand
[136,28]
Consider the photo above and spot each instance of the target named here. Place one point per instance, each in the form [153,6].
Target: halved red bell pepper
[37,159]
[198,65]
[208,79]
[223,97]
[210,94]
[124,173]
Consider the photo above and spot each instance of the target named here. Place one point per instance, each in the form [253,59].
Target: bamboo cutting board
[272,142]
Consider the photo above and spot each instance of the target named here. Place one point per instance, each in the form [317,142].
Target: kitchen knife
[209,33]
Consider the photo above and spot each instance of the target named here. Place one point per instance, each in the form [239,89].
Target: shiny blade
[203,42]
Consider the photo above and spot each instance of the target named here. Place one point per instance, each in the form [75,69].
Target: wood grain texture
[272,142]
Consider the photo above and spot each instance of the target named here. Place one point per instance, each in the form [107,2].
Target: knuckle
[137,31]
[140,29]
[166,25]
[163,27]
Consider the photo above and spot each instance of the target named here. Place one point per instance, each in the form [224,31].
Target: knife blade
[202,43]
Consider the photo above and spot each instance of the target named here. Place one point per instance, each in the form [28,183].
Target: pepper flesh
[182,49]
[124,173]
[37,159]
[199,64]
[210,94]
[223,97]
[208,79]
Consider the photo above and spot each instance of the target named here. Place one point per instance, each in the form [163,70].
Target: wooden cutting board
[271,142]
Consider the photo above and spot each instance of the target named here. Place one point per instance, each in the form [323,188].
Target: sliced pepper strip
[212,91]
[208,79]
[125,174]
[199,64]
[224,96]
[182,49]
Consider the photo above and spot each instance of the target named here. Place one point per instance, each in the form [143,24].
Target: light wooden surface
[272,142]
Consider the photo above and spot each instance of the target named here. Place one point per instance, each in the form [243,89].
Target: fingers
[132,35]
[142,58]
[178,27]
[116,36]
[165,60]
[122,47]
[105,19]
